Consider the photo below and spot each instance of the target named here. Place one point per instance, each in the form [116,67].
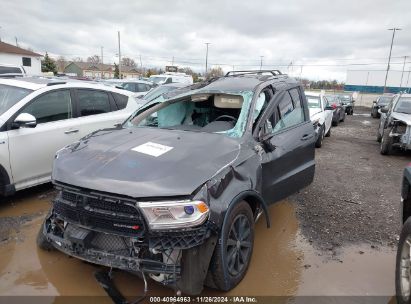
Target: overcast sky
[321,36]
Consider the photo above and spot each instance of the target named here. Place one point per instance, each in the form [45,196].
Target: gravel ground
[355,196]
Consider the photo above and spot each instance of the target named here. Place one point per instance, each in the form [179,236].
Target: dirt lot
[336,237]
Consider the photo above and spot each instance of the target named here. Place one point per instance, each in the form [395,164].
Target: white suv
[39,116]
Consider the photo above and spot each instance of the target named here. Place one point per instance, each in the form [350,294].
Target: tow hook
[105,279]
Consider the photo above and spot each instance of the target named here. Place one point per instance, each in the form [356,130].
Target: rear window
[10,95]
[10,70]
[121,100]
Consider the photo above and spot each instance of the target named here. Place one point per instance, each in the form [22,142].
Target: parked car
[161,90]
[335,103]
[140,87]
[170,77]
[39,116]
[382,101]
[320,115]
[348,102]
[395,124]
[174,193]
[403,258]
[11,71]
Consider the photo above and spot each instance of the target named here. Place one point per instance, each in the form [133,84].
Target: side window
[141,87]
[289,115]
[324,101]
[295,95]
[121,100]
[50,107]
[91,102]
[169,80]
[129,87]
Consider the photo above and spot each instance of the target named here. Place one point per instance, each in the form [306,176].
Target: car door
[32,150]
[288,141]
[96,109]
[385,116]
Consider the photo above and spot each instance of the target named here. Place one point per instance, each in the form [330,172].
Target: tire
[319,141]
[379,137]
[224,274]
[343,118]
[335,123]
[374,114]
[42,241]
[328,134]
[386,142]
[402,262]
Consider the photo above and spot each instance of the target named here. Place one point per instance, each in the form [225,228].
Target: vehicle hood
[105,161]
[402,116]
[314,112]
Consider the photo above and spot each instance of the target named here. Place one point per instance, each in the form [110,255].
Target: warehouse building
[13,55]
[372,81]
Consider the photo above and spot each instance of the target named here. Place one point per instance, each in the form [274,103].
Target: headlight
[174,214]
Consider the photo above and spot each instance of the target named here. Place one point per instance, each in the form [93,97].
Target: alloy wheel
[239,245]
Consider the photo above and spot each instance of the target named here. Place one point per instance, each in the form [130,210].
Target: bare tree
[77,59]
[61,63]
[125,61]
[94,59]
[215,72]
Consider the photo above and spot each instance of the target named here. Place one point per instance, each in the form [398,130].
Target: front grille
[103,213]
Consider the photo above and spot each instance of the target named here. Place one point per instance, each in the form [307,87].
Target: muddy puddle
[283,264]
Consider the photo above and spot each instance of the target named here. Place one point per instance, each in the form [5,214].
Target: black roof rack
[258,72]
[56,83]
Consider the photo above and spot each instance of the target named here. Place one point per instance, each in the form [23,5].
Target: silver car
[395,125]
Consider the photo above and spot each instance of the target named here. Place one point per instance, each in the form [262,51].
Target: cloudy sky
[317,39]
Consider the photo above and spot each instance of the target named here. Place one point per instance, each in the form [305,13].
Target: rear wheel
[343,118]
[233,254]
[403,265]
[328,134]
[320,138]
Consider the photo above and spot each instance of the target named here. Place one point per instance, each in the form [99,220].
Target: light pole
[389,56]
[261,62]
[206,63]
[402,74]
[119,57]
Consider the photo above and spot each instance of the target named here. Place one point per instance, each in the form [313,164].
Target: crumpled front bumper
[402,139]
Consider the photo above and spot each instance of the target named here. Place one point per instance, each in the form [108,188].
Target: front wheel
[403,265]
[42,241]
[386,142]
[232,254]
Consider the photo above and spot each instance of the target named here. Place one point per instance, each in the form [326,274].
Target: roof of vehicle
[36,83]
[126,80]
[406,95]
[312,93]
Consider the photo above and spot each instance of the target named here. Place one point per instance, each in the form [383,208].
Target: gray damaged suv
[394,131]
[173,194]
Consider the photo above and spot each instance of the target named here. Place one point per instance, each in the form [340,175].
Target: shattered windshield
[222,113]
[403,105]
[314,101]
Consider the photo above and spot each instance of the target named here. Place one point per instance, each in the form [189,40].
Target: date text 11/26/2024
[182,299]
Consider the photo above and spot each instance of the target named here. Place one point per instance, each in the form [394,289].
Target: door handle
[307,136]
[71,131]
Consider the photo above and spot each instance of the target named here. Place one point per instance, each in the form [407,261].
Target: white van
[170,77]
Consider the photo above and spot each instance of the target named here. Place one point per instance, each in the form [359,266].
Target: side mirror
[265,140]
[328,107]
[384,110]
[24,120]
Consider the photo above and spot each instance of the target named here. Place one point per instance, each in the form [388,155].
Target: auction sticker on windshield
[152,149]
